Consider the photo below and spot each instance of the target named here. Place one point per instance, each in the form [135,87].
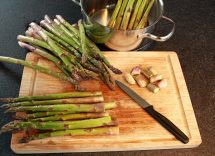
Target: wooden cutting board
[138,131]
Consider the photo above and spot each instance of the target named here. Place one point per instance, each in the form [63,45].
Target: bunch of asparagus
[72,113]
[131,14]
[68,48]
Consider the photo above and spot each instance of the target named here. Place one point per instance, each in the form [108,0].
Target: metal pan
[97,13]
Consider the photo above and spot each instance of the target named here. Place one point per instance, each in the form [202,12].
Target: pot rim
[148,27]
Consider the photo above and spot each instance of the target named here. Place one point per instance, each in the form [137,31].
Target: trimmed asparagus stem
[46,55]
[140,13]
[41,69]
[52,96]
[115,13]
[71,117]
[145,16]
[120,15]
[83,41]
[127,15]
[134,15]
[83,100]
[77,132]
[59,125]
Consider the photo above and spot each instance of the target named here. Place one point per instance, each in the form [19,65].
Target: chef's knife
[166,123]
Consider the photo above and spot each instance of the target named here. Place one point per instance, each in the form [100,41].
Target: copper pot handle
[160,38]
[77,2]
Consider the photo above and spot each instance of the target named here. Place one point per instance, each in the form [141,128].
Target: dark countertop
[193,41]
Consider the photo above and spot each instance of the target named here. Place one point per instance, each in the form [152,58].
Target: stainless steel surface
[133,95]
[97,13]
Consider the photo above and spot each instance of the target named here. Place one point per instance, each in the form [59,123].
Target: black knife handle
[167,124]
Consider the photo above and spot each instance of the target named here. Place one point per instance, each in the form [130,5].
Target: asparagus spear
[71,117]
[83,41]
[33,41]
[115,13]
[127,15]
[96,63]
[83,100]
[77,132]
[52,96]
[120,15]
[60,34]
[40,114]
[59,125]
[134,15]
[46,55]
[90,44]
[68,25]
[41,69]
[48,19]
[145,16]
[31,33]
[66,31]
[140,13]
[65,44]
[73,108]
[57,50]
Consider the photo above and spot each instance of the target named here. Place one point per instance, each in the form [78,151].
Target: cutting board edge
[185,97]
[18,150]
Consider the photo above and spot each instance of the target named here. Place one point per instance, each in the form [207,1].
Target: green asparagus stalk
[60,34]
[31,33]
[140,13]
[145,16]
[120,15]
[68,25]
[96,63]
[71,117]
[83,100]
[90,44]
[127,15]
[83,41]
[75,108]
[57,50]
[65,44]
[66,31]
[41,69]
[77,132]
[48,19]
[72,108]
[33,41]
[134,15]
[52,96]
[59,125]
[115,13]
[46,55]
[71,58]
[40,114]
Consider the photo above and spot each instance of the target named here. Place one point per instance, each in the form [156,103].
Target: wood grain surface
[138,131]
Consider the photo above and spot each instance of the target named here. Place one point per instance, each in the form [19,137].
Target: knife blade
[166,123]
